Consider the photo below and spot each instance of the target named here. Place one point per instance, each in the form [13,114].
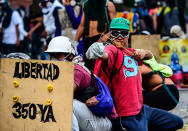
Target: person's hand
[32,20]
[44,34]
[92,101]
[29,34]
[95,50]
[44,48]
[17,42]
[139,54]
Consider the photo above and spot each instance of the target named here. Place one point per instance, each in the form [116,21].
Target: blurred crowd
[29,30]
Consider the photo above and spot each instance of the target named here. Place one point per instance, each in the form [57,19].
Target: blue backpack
[105,105]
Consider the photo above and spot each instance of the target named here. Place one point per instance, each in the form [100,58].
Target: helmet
[61,44]
[120,23]
[177,31]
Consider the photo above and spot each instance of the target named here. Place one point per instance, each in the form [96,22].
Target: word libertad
[47,71]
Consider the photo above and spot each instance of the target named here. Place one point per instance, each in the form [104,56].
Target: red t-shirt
[126,84]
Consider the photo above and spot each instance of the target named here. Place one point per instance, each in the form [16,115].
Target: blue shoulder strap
[167,89]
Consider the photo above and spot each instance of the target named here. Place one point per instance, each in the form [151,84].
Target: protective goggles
[119,33]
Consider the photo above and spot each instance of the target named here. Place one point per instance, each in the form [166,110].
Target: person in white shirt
[10,29]
[51,18]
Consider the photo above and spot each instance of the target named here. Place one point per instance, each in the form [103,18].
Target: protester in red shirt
[126,86]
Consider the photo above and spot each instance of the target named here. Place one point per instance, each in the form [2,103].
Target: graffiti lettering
[35,70]
[25,110]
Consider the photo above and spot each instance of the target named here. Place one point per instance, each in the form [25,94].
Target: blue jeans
[149,118]
[36,44]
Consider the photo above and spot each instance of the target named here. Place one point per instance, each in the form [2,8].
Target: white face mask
[73,3]
[65,58]
[49,4]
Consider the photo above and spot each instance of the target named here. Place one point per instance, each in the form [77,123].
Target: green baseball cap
[120,23]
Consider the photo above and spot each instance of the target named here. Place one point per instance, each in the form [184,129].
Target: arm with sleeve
[77,80]
[21,28]
[74,20]
[111,50]
[57,21]
[82,78]
[16,18]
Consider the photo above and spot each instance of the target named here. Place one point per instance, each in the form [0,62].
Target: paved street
[182,108]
